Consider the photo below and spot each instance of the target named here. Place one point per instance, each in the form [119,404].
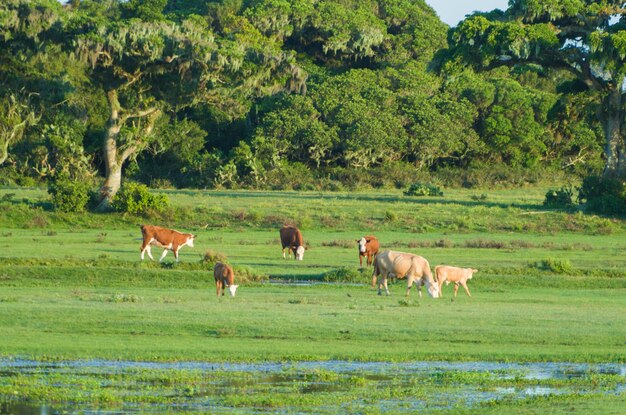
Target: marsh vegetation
[84,321]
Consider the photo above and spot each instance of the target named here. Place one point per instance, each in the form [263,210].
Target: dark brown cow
[164,238]
[291,239]
[368,247]
[224,278]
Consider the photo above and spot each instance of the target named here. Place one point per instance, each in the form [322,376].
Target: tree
[147,66]
[15,117]
[584,38]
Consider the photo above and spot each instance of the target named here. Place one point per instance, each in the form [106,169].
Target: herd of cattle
[386,264]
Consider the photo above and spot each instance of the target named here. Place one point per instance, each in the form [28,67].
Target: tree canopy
[273,93]
[587,39]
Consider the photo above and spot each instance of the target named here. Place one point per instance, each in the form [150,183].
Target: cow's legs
[456,288]
[383,283]
[464,284]
[176,254]
[163,255]
[361,260]
[148,250]
[218,286]
[440,285]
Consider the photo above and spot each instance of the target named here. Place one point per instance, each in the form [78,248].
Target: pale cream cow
[400,264]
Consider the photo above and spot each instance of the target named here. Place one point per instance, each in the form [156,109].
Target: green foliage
[69,195]
[554,35]
[212,257]
[303,94]
[557,266]
[561,198]
[603,195]
[423,189]
[136,199]
[347,274]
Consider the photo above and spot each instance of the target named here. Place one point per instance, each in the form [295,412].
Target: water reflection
[452,384]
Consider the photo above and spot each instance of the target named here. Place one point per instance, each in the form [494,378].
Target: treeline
[297,94]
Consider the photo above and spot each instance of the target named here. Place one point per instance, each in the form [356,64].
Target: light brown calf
[448,274]
[224,278]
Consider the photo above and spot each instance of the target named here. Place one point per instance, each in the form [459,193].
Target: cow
[291,239]
[164,238]
[368,247]
[448,274]
[400,264]
[224,278]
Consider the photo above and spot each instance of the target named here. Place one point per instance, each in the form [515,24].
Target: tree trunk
[113,166]
[114,155]
[615,150]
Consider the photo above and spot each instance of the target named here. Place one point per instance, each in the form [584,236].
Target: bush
[556,265]
[212,257]
[604,196]
[559,199]
[136,199]
[347,274]
[423,189]
[69,195]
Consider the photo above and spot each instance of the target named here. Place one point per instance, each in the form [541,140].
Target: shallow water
[448,384]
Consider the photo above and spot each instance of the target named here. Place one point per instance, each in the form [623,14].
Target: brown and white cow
[164,238]
[224,278]
[448,274]
[291,239]
[368,247]
[400,264]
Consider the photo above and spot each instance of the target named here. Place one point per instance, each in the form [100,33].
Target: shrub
[559,199]
[556,265]
[346,274]
[211,257]
[604,196]
[423,189]
[69,195]
[136,199]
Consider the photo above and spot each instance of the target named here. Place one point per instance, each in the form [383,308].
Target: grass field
[551,287]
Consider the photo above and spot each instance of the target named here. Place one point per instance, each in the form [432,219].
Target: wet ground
[324,387]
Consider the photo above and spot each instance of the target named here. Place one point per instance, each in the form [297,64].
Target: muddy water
[448,384]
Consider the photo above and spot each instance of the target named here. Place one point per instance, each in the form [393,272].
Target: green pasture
[551,287]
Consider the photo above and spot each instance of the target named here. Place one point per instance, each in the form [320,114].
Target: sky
[453,11]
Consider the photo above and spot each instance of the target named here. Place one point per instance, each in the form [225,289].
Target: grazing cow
[368,247]
[399,264]
[164,238]
[224,278]
[291,239]
[448,274]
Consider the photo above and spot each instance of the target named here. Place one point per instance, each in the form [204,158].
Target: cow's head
[190,239]
[433,289]
[300,253]
[232,289]
[472,271]
[362,242]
